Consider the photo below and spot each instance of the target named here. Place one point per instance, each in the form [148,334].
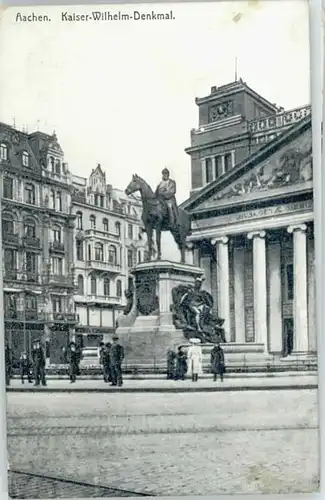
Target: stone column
[239,292]
[204,172]
[214,165]
[259,280]
[189,254]
[300,319]
[223,168]
[312,326]
[222,258]
[275,297]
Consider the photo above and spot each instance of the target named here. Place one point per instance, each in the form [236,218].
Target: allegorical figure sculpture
[192,312]
[160,212]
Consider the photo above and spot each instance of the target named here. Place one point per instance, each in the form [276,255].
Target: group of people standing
[111,358]
[181,364]
[31,366]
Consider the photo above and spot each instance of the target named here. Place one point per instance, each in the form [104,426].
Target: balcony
[10,238]
[28,315]
[61,280]
[61,317]
[280,120]
[105,267]
[101,234]
[56,247]
[31,277]
[103,299]
[30,242]
[10,274]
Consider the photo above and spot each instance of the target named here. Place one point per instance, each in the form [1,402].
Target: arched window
[7,224]
[80,285]
[59,202]
[107,287]
[93,285]
[30,228]
[25,159]
[105,225]
[118,228]
[112,254]
[119,288]
[3,151]
[52,199]
[79,220]
[99,252]
[29,194]
[92,220]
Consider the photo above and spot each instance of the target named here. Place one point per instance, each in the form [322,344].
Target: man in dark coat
[38,357]
[25,366]
[181,364]
[171,356]
[73,358]
[107,372]
[165,192]
[8,364]
[217,362]
[116,358]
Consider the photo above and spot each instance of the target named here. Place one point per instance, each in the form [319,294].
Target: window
[93,286]
[218,166]
[112,254]
[89,252]
[56,304]
[7,225]
[59,202]
[118,288]
[30,302]
[99,252]
[30,228]
[92,220]
[102,200]
[107,287]
[290,281]
[228,164]
[57,234]
[105,225]
[10,303]
[25,159]
[80,285]
[130,284]
[3,151]
[8,190]
[58,167]
[130,258]
[30,194]
[208,170]
[130,231]
[80,249]
[139,256]
[10,259]
[31,263]
[52,163]
[52,199]
[79,220]
[56,264]
[118,228]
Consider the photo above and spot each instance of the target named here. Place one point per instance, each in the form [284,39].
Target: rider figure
[165,191]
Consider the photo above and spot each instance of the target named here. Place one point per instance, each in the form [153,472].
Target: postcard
[158,249]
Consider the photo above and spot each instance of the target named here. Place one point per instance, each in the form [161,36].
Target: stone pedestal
[147,332]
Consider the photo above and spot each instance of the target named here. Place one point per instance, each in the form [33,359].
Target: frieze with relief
[291,167]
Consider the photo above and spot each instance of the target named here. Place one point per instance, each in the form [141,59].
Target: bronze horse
[155,217]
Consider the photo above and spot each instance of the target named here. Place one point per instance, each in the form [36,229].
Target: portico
[253,235]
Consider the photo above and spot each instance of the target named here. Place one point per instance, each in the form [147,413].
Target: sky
[123,93]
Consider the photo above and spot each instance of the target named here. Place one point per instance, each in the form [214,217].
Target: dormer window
[3,151]
[25,159]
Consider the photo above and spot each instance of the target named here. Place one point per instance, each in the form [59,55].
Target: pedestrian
[194,357]
[107,372]
[8,364]
[73,362]
[25,366]
[171,356]
[38,357]
[217,362]
[181,364]
[101,350]
[116,358]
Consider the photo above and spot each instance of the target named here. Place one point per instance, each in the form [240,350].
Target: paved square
[170,444]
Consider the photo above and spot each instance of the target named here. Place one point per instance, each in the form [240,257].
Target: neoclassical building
[37,241]
[252,222]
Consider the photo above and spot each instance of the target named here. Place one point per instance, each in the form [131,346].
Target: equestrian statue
[161,213]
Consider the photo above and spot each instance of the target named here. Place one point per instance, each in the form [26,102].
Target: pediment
[284,169]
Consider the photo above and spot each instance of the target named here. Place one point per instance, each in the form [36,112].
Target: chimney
[214,89]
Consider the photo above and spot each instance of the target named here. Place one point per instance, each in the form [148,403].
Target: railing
[284,119]
[11,238]
[101,234]
[26,315]
[10,274]
[60,279]
[30,242]
[56,246]
[64,317]
[105,299]
[104,266]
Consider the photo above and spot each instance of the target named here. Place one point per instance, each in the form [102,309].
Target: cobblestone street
[167,444]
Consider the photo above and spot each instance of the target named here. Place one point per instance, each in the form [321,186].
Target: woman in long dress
[194,358]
